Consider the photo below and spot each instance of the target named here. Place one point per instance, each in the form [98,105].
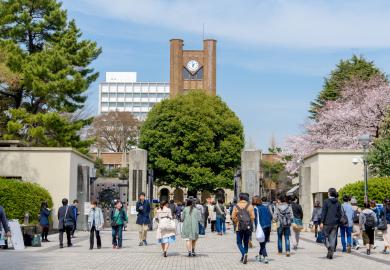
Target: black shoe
[61,246]
[90,248]
[193,254]
[47,240]
[368,252]
[245,261]
[242,259]
[70,245]
[189,254]
[99,247]
[145,243]
[165,254]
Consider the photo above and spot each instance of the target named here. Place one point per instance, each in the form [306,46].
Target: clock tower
[193,69]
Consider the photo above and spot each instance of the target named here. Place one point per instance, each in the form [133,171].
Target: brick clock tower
[193,69]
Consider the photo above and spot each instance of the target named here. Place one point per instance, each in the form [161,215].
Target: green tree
[355,67]
[194,141]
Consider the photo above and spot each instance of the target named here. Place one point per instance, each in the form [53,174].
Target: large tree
[115,131]
[356,67]
[193,141]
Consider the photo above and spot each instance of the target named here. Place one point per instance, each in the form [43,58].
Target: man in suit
[66,221]
[143,218]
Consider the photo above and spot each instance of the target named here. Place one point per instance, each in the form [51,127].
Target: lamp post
[365,142]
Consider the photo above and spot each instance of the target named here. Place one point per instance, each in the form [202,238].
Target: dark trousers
[117,236]
[330,234]
[212,225]
[283,232]
[243,241]
[92,237]
[45,232]
[263,250]
[67,230]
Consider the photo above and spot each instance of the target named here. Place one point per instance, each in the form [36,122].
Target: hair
[243,197]
[366,205]
[372,203]
[234,201]
[317,204]
[171,201]
[44,205]
[282,198]
[333,192]
[190,202]
[213,203]
[94,202]
[346,198]
[264,199]
[163,203]
[256,200]
[220,201]
[142,193]
[75,201]
[65,201]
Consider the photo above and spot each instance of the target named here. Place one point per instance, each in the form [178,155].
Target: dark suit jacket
[3,220]
[62,218]
[144,213]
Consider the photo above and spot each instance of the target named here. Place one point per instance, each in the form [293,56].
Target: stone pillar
[250,172]
[138,159]
[83,187]
[210,66]
[176,67]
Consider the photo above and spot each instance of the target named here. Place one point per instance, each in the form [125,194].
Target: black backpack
[356,215]
[370,221]
[344,218]
[285,217]
[244,219]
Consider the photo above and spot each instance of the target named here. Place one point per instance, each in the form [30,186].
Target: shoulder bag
[259,231]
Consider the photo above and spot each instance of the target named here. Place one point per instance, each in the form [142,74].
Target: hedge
[18,197]
[378,190]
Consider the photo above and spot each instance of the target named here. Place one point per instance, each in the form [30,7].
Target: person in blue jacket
[76,214]
[263,213]
[44,221]
[143,218]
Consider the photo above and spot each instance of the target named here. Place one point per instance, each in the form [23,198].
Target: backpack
[344,218]
[356,215]
[285,218]
[244,219]
[370,221]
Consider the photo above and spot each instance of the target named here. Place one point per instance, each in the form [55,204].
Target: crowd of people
[248,215]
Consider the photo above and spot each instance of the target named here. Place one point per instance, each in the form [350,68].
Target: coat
[264,215]
[3,220]
[61,216]
[99,220]
[44,217]
[331,212]
[163,213]
[190,229]
[143,210]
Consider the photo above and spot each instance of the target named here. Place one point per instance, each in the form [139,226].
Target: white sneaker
[357,247]
[265,260]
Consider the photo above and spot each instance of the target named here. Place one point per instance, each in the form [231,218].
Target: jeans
[283,232]
[67,230]
[243,241]
[330,234]
[117,232]
[263,250]
[92,233]
[221,226]
[346,231]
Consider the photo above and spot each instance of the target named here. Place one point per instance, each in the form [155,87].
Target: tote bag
[167,224]
[259,231]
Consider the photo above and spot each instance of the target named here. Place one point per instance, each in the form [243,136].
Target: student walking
[201,217]
[44,221]
[118,218]
[220,212]
[190,230]
[263,217]
[243,216]
[356,231]
[283,215]
[75,210]
[143,218]
[95,225]
[316,217]
[368,221]
[297,224]
[330,220]
[346,230]
[386,233]
[66,222]
[164,236]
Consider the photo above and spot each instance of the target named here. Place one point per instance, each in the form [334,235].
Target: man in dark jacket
[143,218]
[4,222]
[66,221]
[330,220]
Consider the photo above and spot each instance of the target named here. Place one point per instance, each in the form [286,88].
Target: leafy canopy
[194,141]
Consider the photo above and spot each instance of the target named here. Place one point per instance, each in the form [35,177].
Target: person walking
[75,210]
[243,216]
[190,230]
[316,217]
[118,218]
[44,215]
[143,218]
[356,231]
[263,217]
[66,222]
[368,222]
[386,233]
[201,217]
[164,237]
[212,215]
[330,220]
[283,215]
[172,205]
[4,224]
[297,224]
[346,230]
[95,225]
[220,212]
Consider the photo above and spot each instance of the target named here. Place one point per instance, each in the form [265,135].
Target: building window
[193,77]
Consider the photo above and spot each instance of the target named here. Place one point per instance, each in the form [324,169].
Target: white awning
[291,191]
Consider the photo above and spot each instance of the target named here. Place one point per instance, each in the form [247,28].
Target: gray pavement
[214,252]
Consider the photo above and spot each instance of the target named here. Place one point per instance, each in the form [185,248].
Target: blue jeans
[243,241]
[346,231]
[117,232]
[220,224]
[283,232]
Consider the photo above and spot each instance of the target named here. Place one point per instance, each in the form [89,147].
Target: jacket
[242,204]
[122,216]
[166,212]
[331,212]
[44,217]
[3,220]
[349,212]
[317,214]
[281,208]
[297,210]
[265,216]
[65,209]
[96,214]
[190,229]
[143,210]
[362,217]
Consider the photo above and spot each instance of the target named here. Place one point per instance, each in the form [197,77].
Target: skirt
[386,236]
[167,240]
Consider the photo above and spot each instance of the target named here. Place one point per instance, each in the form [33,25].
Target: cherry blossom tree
[360,110]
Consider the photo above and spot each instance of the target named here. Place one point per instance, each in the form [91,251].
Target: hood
[333,200]
[283,206]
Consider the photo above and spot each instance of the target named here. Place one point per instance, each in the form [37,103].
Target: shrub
[378,190]
[19,197]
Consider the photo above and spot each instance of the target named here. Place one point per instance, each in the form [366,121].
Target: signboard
[87,208]
[133,210]
[16,235]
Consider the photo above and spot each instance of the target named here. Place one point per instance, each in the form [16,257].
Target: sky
[272,55]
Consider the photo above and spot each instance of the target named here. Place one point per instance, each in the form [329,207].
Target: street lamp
[365,142]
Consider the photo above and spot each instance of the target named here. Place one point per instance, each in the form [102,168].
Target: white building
[122,92]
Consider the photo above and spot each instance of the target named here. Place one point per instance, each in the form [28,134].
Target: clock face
[192,65]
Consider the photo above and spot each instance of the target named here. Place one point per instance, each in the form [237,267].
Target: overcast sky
[272,55]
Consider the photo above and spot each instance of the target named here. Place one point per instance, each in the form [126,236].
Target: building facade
[122,92]
[192,69]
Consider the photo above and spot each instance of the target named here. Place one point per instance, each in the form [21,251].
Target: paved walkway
[214,252]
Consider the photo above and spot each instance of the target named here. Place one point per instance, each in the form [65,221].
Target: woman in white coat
[95,224]
[164,236]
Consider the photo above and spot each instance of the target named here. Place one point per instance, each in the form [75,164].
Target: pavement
[214,252]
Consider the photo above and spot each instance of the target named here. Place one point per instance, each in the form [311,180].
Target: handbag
[259,231]
[68,222]
[114,223]
[320,237]
[297,225]
[167,224]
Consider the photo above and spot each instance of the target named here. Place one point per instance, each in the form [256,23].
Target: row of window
[134,95]
[145,88]
[129,104]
